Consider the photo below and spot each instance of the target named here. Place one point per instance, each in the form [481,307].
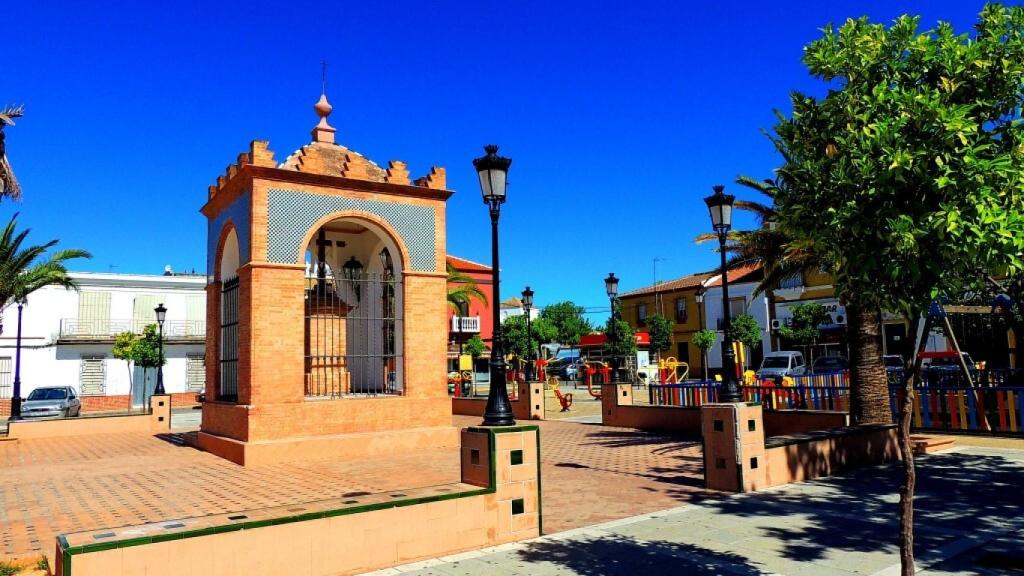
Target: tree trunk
[869,386]
[911,377]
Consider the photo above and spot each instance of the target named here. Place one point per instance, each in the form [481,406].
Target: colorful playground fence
[995,410]
[692,395]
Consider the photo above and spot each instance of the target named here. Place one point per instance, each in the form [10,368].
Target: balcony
[466,324]
[73,329]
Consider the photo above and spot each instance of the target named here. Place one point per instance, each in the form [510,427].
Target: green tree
[146,351]
[802,329]
[568,320]
[704,339]
[475,346]
[620,343]
[514,337]
[462,289]
[124,349]
[907,177]
[660,329]
[23,269]
[745,329]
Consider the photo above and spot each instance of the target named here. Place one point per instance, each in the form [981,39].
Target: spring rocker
[564,399]
[669,370]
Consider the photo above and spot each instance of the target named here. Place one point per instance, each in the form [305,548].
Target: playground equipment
[669,370]
[564,399]
[592,368]
[457,383]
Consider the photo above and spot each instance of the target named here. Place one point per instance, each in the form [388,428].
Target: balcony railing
[74,328]
[792,282]
[466,324]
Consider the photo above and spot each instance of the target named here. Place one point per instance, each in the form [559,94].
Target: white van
[783,363]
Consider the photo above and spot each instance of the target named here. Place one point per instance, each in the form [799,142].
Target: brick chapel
[325,305]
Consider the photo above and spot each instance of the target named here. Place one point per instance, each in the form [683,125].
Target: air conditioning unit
[776,324]
[841,319]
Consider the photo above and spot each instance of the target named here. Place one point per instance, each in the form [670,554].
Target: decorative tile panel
[238,213]
[291,214]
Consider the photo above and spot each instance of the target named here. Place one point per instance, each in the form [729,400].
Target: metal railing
[466,324]
[74,328]
[997,410]
[696,394]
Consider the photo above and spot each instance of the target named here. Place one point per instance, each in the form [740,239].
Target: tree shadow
[620,556]
[958,494]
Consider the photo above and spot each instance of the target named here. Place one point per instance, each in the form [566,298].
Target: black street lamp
[527,307]
[16,393]
[161,315]
[493,172]
[720,207]
[611,288]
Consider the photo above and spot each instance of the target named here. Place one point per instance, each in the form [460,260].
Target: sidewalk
[969,519]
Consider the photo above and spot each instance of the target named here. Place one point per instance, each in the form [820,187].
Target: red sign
[595,340]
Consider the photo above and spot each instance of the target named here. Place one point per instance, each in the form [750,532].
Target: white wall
[45,362]
[755,306]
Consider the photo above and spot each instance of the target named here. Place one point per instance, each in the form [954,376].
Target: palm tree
[462,289]
[780,257]
[22,272]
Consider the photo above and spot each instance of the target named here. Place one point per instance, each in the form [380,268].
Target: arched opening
[353,311]
[227,387]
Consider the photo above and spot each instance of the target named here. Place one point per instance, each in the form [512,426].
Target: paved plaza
[47,486]
[970,521]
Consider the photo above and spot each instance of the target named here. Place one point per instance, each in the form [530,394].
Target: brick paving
[590,474]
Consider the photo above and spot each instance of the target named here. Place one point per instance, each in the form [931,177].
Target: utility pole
[657,295]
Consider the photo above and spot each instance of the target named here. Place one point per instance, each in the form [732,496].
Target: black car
[826,364]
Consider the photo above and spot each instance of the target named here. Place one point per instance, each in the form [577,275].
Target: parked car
[51,402]
[947,370]
[829,364]
[779,364]
[567,368]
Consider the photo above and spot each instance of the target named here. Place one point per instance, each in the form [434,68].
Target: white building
[68,335]
[514,307]
[741,301]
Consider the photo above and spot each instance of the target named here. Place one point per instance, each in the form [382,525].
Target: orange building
[474,319]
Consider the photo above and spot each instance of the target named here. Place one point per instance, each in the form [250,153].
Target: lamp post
[161,315]
[720,207]
[699,297]
[493,173]
[16,392]
[527,307]
[611,288]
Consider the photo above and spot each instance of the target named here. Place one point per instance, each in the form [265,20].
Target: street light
[16,393]
[720,207]
[527,306]
[161,315]
[493,173]
[611,287]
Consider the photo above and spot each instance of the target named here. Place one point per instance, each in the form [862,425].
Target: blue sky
[619,116]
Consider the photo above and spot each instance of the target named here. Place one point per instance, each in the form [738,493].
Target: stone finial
[323,132]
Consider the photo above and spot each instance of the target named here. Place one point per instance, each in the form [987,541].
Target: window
[195,372]
[195,316]
[92,377]
[737,307]
[229,341]
[5,376]
[680,309]
[143,312]
[641,314]
[683,353]
[93,314]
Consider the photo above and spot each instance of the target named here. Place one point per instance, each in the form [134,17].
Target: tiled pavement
[969,521]
[47,486]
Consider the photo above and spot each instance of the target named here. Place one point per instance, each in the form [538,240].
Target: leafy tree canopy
[909,174]
[704,339]
[568,320]
[660,330]
[514,337]
[621,341]
[475,346]
[146,350]
[745,329]
[803,327]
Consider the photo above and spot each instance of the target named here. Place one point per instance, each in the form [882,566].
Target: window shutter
[93,375]
[93,313]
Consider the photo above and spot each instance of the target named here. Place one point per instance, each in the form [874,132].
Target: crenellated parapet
[435,180]
[259,154]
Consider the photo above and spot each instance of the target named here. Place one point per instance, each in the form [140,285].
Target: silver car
[52,402]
